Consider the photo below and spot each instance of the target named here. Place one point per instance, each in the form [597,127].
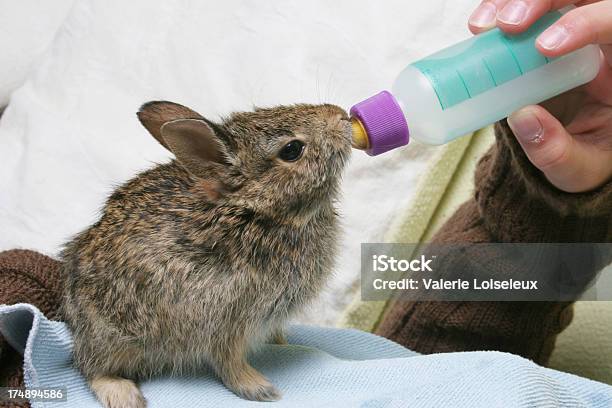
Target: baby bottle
[468,86]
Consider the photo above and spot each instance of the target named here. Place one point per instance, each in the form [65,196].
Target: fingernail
[513,13]
[526,127]
[553,37]
[484,15]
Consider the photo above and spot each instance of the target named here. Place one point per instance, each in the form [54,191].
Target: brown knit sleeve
[518,204]
[513,202]
[26,277]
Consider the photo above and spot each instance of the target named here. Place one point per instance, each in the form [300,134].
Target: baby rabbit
[199,260]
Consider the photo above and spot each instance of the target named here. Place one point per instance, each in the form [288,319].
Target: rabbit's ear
[154,114]
[195,145]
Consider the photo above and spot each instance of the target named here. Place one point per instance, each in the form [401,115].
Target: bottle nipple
[359,136]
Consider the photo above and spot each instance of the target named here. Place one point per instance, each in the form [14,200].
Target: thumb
[567,163]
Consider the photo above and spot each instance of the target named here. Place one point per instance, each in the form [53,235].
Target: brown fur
[198,261]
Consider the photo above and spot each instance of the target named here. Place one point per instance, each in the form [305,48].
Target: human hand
[569,137]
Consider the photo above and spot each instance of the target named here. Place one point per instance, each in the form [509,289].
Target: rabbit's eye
[291,151]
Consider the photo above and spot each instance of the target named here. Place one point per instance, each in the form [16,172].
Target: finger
[607,52]
[589,24]
[567,163]
[484,16]
[518,15]
[602,84]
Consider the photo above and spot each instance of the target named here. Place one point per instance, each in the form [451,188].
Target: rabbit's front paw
[257,391]
[248,383]
[117,392]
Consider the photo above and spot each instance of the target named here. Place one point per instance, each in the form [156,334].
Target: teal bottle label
[492,58]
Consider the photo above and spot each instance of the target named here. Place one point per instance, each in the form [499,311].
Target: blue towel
[322,367]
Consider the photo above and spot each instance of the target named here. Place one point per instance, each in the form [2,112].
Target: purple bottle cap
[383,121]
